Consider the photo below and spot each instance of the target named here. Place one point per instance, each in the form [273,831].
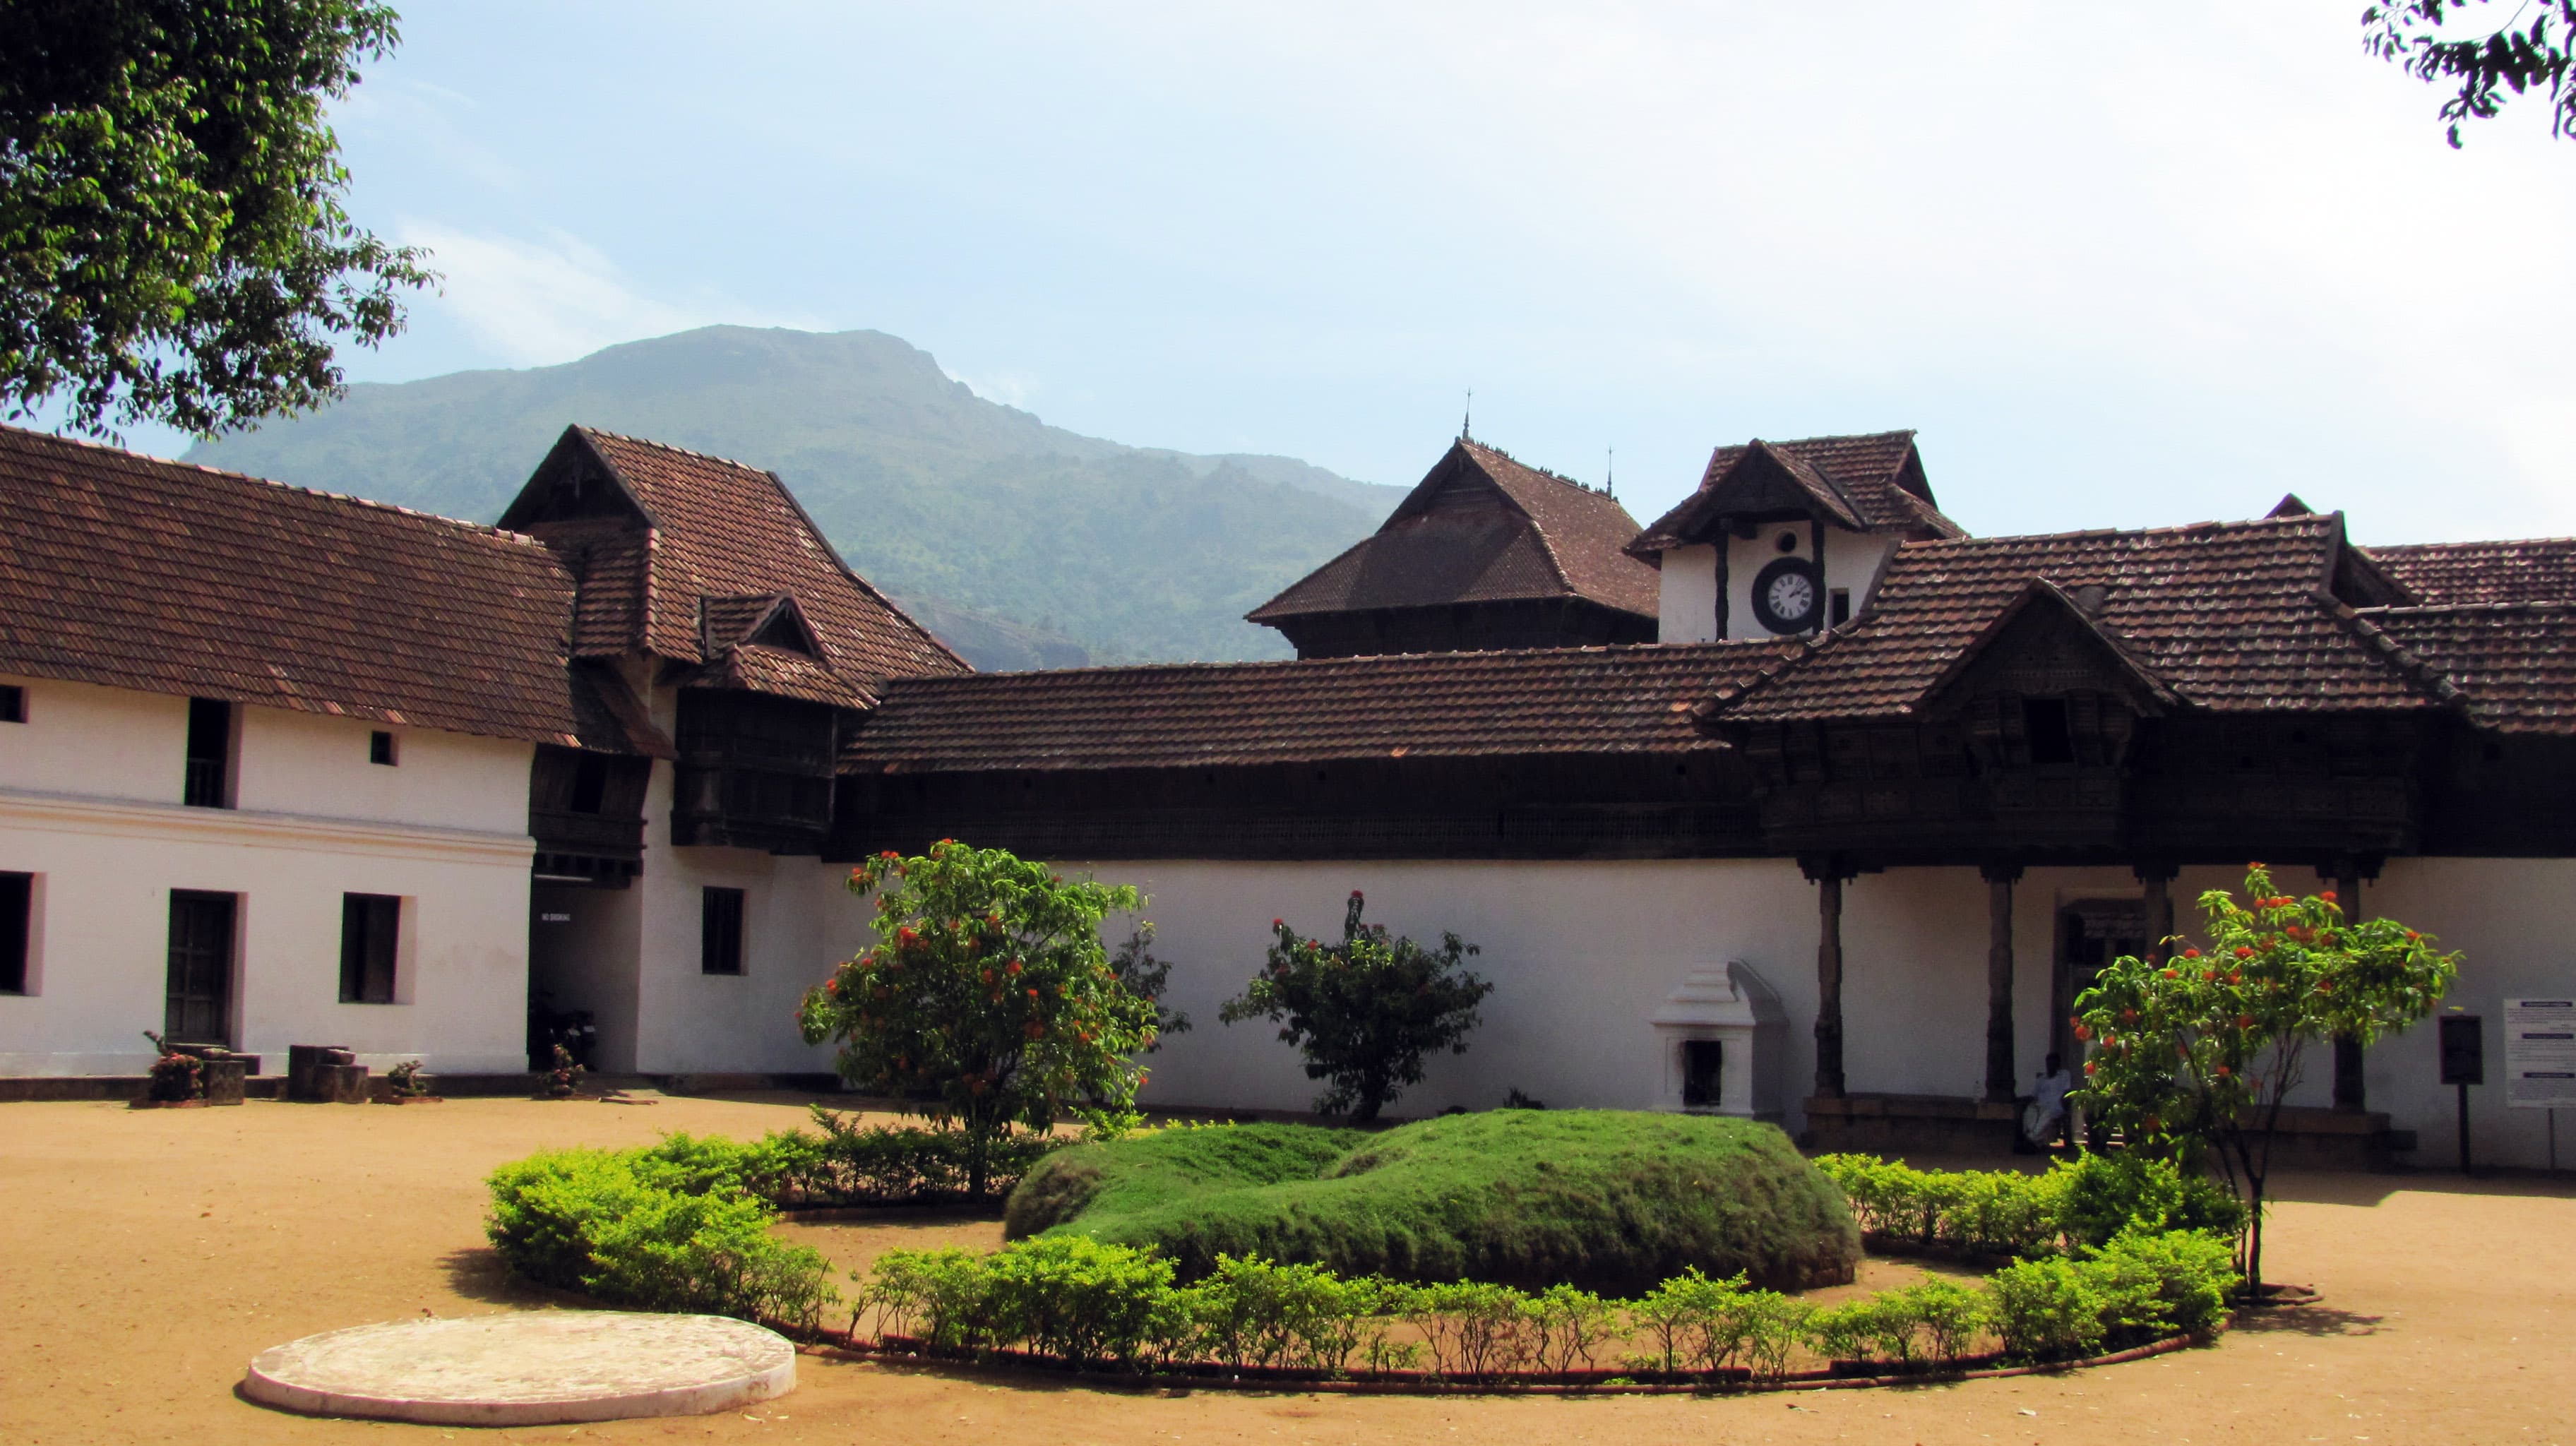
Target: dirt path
[145,1256]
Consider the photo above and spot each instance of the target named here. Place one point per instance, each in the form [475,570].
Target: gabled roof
[1522,702]
[2227,616]
[655,533]
[2540,569]
[2513,663]
[2040,599]
[162,577]
[1867,483]
[1481,527]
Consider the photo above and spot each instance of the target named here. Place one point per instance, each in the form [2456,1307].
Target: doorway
[2090,934]
[198,1008]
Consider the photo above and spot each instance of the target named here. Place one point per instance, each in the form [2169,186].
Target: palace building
[1798,801]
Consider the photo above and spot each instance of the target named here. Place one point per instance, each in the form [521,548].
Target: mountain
[1023,545]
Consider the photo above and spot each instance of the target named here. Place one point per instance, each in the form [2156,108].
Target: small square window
[380,748]
[370,931]
[13,703]
[1840,607]
[720,932]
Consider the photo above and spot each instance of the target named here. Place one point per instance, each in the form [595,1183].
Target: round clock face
[1785,595]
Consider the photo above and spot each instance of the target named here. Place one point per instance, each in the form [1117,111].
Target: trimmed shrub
[2108,1194]
[1089,1303]
[1599,1199]
[2164,1284]
[1949,1314]
[2007,1212]
[2047,1309]
[660,1231]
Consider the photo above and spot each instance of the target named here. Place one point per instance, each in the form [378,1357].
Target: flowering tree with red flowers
[2196,1053]
[988,999]
[1364,1011]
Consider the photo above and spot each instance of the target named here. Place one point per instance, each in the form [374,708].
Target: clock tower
[1787,538]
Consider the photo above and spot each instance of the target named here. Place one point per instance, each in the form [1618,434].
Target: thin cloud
[534,303]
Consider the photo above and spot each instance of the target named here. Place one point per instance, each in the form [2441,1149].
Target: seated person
[2045,1122]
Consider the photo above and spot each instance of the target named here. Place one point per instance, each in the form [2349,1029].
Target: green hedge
[2073,1206]
[1094,1303]
[1603,1199]
[683,1225]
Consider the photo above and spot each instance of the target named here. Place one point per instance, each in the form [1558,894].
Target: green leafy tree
[172,243]
[1365,1011]
[2197,1054]
[987,998]
[2483,66]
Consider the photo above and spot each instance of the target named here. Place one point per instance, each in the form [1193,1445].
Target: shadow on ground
[478,1273]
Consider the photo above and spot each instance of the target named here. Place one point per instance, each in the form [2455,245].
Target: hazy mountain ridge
[1022,537]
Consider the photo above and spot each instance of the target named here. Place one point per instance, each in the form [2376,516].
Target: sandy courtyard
[148,1255]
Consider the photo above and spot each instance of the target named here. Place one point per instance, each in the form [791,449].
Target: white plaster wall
[799,920]
[102,742]
[106,871]
[1854,560]
[1686,596]
[317,764]
[1580,954]
[2514,921]
[116,743]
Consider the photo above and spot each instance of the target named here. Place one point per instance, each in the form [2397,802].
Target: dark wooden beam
[2000,1072]
[1829,875]
[2351,1094]
[2158,878]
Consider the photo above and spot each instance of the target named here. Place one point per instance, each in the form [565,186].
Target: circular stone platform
[527,1368]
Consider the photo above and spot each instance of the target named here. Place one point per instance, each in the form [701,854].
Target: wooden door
[199,1008]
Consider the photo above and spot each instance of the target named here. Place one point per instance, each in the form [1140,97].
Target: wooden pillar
[1829,980]
[2000,1073]
[2350,1094]
[2160,911]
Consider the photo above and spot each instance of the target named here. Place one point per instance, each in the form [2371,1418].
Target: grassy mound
[1611,1200]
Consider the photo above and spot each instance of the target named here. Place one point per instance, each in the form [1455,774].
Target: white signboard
[2540,1053]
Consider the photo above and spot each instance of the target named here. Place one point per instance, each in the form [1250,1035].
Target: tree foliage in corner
[2487,67]
[2198,1054]
[1364,1011]
[172,243]
[988,999]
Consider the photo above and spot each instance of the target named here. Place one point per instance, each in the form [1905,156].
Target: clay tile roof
[2541,569]
[1425,705]
[2228,616]
[714,529]
[1481,527]
[162,577]
[1872,482]
[759,669]
[2513,663]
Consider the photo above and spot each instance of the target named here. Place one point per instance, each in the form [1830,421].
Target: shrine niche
[1722,1037]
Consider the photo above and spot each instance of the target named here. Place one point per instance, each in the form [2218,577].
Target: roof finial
[1465,423]
[1610,475]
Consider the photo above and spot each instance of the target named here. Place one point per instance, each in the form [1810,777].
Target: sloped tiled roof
[1424,705]
[2514,663]
[2540,569]
[712,529]
[1872,482]
[2229,616]
[162,577]
[1481,527]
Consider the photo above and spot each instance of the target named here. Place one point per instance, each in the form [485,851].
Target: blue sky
[2118,268]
